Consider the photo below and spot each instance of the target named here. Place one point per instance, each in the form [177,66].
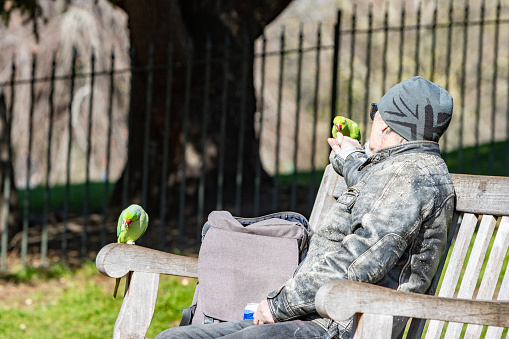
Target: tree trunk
[183,23]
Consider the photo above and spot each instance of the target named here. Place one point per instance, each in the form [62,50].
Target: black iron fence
[68,133]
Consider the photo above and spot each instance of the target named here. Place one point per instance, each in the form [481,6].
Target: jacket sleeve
[366,252]
[347,162]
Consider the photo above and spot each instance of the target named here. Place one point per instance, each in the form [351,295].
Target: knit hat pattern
[417,109]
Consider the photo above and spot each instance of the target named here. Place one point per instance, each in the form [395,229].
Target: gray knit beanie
[417,109]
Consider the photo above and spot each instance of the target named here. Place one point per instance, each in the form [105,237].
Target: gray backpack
[241,260]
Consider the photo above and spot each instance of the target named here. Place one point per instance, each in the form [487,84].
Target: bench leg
[372,326]
[138,306]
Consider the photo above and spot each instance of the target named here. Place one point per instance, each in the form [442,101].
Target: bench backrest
[478,244]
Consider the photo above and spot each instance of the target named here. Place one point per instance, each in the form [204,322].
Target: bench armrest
[342,299]
[116,260]
[143,266]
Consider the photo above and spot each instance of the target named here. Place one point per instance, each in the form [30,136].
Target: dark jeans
[246,329]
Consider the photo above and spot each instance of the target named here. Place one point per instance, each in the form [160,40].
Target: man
[388,228]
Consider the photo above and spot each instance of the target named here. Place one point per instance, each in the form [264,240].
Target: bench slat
[138,307]
[494,332]
[503,293]
[491,273]
[474,265]
[478,194]
[452,273]
[477,255]
[372,326]
[325,196]
[481,194]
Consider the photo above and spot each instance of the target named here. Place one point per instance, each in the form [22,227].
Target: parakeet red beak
[127,222]
[339,127]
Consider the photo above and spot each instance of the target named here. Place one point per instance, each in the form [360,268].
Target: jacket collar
[419,146]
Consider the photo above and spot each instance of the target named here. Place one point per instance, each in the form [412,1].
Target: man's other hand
[342,142]
[262,314]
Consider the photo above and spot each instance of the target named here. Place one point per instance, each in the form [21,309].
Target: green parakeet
[347,127]
[132,223]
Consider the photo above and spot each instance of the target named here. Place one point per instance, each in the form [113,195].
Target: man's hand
[342,142]
[262,314]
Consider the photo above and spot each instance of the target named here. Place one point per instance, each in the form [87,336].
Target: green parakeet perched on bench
[132,223]
[347,127]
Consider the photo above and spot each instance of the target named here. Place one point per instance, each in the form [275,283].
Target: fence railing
[69,132]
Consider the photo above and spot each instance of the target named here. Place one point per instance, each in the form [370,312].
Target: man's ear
[383,125]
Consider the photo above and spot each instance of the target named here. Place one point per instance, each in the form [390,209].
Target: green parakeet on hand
[132,223]
[347,127]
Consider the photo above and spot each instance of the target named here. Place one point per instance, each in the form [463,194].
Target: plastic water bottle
[250,310]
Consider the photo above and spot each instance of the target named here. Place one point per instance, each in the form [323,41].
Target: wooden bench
[482,206]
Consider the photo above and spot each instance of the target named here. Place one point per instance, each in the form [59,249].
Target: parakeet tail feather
[117,283]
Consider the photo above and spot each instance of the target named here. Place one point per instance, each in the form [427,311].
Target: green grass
[60,302]
[469,161]
[302,178]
